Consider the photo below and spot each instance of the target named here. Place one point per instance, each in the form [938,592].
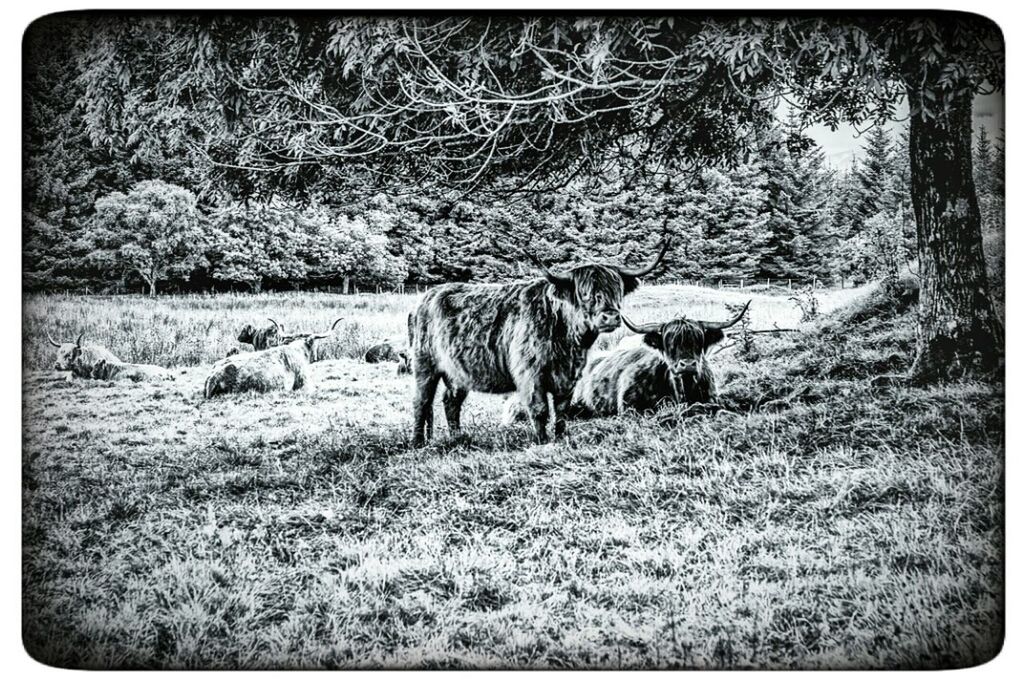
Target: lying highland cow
[670,367]
[115,370]
[79,359]
[285,367]
[388,350]
[383,351]
[262,338]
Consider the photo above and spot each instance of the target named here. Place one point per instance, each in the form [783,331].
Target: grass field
[816,521]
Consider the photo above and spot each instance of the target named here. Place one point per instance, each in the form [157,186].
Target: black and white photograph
[512,340]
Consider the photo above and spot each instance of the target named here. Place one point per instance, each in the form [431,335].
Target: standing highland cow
[529,337]
[670,367]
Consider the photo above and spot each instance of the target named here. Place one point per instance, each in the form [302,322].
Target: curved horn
[78,343]
[52,341]
[644,271]
[278,326]
[722,325]
[336,322]
[548,274]
[642,329]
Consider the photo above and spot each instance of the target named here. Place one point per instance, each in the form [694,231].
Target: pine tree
[876,192]
[999,165]
[983,162]
[797,187]
[733,216]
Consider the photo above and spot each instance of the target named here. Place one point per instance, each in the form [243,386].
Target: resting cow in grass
[78,358]
[285,367]
[388,350]
[116,370]
[530,337]
[670,366]
[262,338]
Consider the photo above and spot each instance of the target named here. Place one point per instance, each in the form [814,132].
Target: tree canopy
[333,110]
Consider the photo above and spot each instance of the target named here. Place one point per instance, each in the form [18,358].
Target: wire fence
[750,284]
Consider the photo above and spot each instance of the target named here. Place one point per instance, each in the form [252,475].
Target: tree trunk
[958,331]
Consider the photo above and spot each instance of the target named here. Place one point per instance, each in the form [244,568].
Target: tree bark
[958,331]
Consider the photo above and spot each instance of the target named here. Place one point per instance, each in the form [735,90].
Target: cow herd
[532,338]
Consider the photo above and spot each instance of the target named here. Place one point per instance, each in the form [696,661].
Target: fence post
[789,283]
[768,284]
[741,284]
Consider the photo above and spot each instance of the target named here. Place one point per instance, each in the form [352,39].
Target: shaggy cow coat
[108,370]
[640,379]
[531,338]
[262,338]
[285,367]
[388,350]
[82,360]
[670,366]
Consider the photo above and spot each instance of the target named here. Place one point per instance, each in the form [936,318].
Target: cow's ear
[629,283]
[653,339]
[564,287]
[713,336]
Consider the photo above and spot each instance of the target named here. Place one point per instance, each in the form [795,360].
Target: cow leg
[453,398]
[423,404]
[535,401]
[562,413]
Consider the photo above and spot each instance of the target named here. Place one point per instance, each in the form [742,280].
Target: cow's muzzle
[681,368]
[608,321]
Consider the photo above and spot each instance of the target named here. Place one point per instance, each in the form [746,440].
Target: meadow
[819,519]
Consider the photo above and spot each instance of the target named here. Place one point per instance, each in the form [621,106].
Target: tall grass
[188,330]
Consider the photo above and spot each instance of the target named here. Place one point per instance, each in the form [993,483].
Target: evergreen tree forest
[784,212]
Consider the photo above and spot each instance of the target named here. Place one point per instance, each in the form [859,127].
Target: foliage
[798,185]
[155,231]
[346,248]
[253,243]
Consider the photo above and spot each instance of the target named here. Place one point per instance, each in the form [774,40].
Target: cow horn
[78,343]
[336,322]
[278,326]
[644,271]
[52,341]
[722,325]
[643,329]
[556,279]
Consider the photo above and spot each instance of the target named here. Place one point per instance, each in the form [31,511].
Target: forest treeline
[150,214]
